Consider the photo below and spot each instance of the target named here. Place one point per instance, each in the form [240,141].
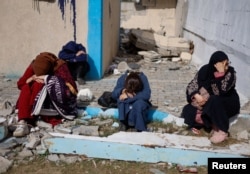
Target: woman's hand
[222,66]
[30,79]
[200,99]
[124,95]
[80,52]
[40,79]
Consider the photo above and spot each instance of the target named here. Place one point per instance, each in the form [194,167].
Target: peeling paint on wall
[62,4]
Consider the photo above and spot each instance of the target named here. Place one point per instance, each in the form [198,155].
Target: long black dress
[222,104]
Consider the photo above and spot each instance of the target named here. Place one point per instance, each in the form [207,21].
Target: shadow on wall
[93,70]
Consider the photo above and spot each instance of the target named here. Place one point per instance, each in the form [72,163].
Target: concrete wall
[220,25]
[159,18]
[30,27]
[111,28]
[33,26]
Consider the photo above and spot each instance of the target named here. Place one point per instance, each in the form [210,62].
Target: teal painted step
[151,148]
[154,114]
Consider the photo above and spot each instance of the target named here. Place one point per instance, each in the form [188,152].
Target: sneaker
[218,136]
[22,129]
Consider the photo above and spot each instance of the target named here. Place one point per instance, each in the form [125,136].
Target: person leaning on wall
[77,60]
[132,93]
[212,98]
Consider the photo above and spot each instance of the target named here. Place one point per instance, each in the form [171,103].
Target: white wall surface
[27,29]
[221,25]
[159,18]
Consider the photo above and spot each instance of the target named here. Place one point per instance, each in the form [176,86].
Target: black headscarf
[206,73]
[216,57]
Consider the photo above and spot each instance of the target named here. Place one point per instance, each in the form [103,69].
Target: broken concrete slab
[147,40]
[86,130]
[145,147]
[239,124]
[186,56]
[150,56]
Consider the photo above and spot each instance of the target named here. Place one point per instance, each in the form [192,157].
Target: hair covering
[206,73]
[44,63]
[69,51]
[216,57]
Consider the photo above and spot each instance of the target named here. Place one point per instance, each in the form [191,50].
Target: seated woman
[212,98]
[132,93]
[77,60]
[46,70]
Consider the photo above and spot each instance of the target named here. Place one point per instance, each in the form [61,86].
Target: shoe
[22,129]
[218,136]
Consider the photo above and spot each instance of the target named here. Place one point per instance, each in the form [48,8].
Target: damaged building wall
[111,30]
[220,25]
[31,26]
[159,17]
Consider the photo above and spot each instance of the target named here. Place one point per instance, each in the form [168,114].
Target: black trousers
[78,70]
[216,112]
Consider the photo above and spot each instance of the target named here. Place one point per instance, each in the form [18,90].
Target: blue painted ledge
[154,114]
[145,147]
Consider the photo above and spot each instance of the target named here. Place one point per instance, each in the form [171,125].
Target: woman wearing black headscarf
[212,98]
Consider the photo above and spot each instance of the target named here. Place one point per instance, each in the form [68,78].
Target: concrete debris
[156,171]
[86,130]
[33,141]
[53,157]
[150,56]
[69,159]
[6,108]
[25,153]
[123,66]
[5,164]
[18,149]
[243,135]
[176,59]
[107,122]
[186,56]
[166,46]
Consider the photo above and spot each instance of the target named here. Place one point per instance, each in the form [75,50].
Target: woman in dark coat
[132,93]
[77,60]
[212,97]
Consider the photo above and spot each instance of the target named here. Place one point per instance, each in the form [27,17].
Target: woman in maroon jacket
[45,70]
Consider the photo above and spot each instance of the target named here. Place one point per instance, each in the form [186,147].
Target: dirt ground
[40,165]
